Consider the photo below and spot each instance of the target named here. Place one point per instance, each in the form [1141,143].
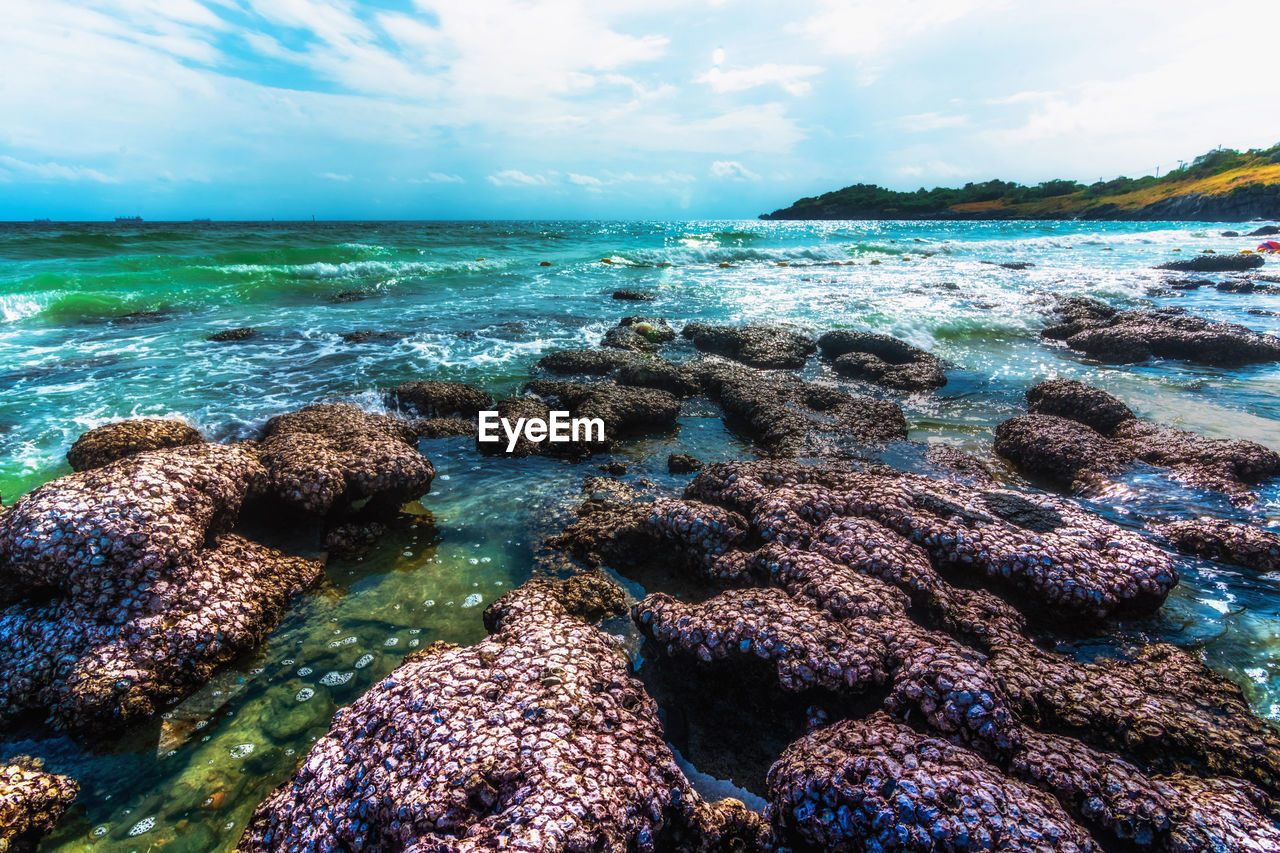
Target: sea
[102,321]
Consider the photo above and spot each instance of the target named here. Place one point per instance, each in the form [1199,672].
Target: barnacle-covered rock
[443,427]
[757,346]
[535,739]
[788,416]
[1135,336]
[435,399]
[882,359]
[1078,434]
[1118,801]
[1059,450]
[1050,550]
[683,463]
[875,784]
[1226,541]
[115,441]
[132,591]
[1070,398]
[639,334]
[327,456]
[622,409]
[1162,706]
[31,802]
[1074,314]
[587,362]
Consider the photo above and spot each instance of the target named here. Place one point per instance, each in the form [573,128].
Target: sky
[514,109]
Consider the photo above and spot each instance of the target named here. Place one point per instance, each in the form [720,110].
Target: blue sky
[636,108]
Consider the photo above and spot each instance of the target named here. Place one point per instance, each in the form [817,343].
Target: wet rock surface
[229,335]
[31,802]
[788,416]
[849,598]
[875,784]
[537,738]
[133,591]
[110,442]
[321,459]
[883,360]
[1226,541]
[1215,263]
[1077,433]
[639,334]
[756,346]
[623,409]
[1134,336]
[433,399]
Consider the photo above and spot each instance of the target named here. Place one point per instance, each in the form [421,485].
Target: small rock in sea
[241,334]
[545,264]
[1265,231]
[1230,234]
[1215,263]
[436,399]
[883,360]
[631,294]
[364,336]
[682,463]
[764,346]
[32,801]
[110,442]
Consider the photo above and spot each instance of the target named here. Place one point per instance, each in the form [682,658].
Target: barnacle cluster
[1133,336]
[755,345]
[535,739]
[325,457]
[1227,541]
[842,588]
[1076,433]
[117,440]
[882,359]
[133,591]
[31,801]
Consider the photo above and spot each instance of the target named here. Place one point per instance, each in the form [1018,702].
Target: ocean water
[102,321]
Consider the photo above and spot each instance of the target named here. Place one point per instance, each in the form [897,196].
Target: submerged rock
[132,590]
[635,294]
[883,360]
[433,399]
[31,803]
[325,457]
[1133,336]
[242,334]
[1077,433]
[535,739]
[756,346]
[115,441]
[1226,541]
[683,463]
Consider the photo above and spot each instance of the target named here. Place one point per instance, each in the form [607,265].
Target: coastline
[717,387]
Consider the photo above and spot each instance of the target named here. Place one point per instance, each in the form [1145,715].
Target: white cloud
[516,178]
[439,178]
[922,122]
[585,180]
[732,170]
[791,78]
[334,176]
[12,167]
[869,27]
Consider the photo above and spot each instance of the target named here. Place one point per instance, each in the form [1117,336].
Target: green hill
[1223,185]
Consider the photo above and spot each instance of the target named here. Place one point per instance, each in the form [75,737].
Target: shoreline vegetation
[1220,186]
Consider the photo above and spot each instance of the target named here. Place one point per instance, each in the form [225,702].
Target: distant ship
[128,219]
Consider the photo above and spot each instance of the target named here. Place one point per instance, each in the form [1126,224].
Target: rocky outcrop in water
[322,459]
[31,802]
[639,334]
[789,416]
[883,360]
[434,399]
[1226,541]
[623,409]
[131,590]
[535,739]
[757,346]
[848,598]
[1076,434]
[110,442]
[1128,337]
[1238,262]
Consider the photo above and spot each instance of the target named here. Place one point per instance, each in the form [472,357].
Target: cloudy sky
[613,108]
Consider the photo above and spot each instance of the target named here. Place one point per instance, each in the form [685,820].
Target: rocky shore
[920,621]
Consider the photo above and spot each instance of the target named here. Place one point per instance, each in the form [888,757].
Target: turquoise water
[99,322]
